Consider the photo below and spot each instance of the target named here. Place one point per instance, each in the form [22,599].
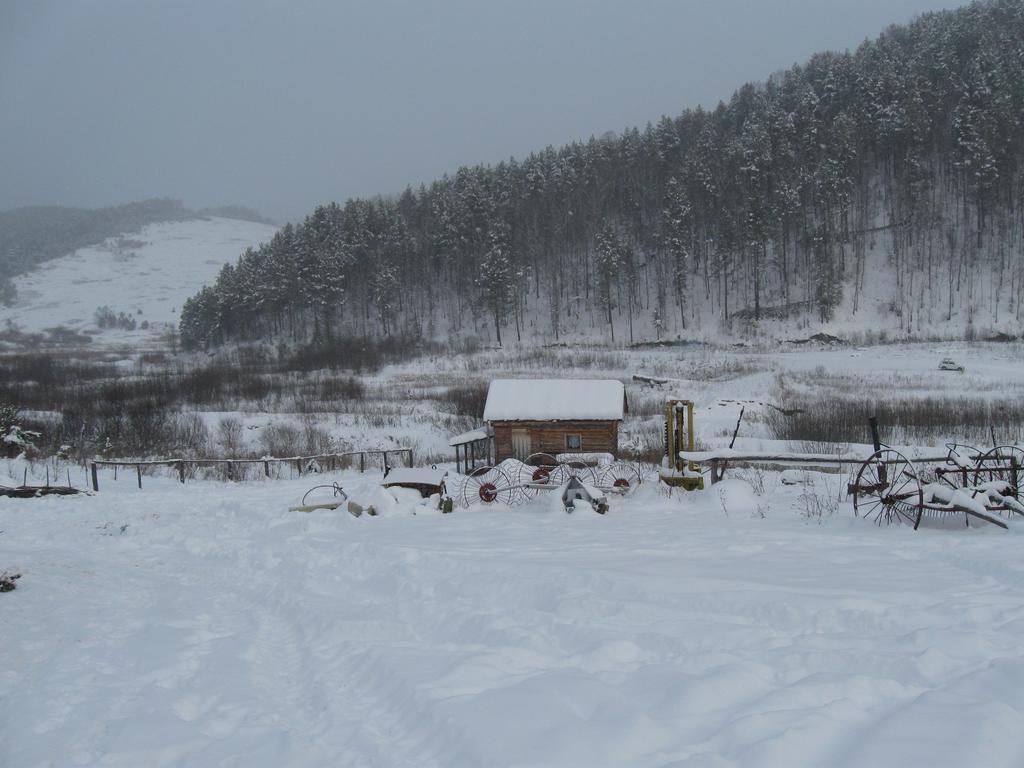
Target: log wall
[549,437]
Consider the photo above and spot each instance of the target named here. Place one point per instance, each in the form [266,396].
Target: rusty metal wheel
[959,470]
[888,490]
[1003,464]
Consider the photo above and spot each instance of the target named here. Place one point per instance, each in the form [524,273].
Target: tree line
[883,180]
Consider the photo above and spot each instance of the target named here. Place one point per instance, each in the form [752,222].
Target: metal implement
[677,471]
[338,494]
[890,488]
[514,482]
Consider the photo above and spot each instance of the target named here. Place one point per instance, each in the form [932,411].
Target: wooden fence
[825,462]
[327,461]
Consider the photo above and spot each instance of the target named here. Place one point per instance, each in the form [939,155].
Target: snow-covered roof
[470,437]
[555,400]
[414,476]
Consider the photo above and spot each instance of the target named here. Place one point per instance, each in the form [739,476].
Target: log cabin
[554,416]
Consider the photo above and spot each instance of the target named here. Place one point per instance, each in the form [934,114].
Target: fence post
[883,471]
[385,462]
[298,466]
[362,462]
[181,471]
[138,469]
[266,468]
[410,457]
[95,481]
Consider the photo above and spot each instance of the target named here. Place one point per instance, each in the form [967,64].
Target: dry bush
[817,501]
[191,435]
[316,440]
[229,435]
[913,420]
[281,439]
[469,399]
[756,478]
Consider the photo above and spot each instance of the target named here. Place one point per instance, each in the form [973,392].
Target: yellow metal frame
[676,424]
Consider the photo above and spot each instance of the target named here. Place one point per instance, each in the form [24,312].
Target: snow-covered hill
[147,275]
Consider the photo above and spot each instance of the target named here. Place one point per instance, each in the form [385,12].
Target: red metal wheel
[488,492]
[621,476]
[488,485]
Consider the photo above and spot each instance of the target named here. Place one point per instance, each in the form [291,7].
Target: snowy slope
[207,625]
[148,276]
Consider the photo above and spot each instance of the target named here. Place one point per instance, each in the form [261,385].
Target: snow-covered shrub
[106,318]
[15,440]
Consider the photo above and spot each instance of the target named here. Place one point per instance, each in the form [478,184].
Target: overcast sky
[282,105]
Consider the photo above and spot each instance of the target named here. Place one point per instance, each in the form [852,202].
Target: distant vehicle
[949,364]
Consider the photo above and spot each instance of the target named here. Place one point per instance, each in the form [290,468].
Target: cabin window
[574,442]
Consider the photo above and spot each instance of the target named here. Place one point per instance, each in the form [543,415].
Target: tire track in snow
[338,693]
[282,668]
[396,725]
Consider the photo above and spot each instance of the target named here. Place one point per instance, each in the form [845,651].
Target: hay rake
[984,485]
[515,482]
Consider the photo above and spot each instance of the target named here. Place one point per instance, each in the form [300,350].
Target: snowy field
[147,275]
[720,380]
[206,625]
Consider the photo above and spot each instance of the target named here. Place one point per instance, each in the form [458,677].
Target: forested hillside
[882,185]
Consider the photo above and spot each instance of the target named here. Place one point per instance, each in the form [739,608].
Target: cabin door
[521,444]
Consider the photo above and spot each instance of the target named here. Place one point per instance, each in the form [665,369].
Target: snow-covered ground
[205,625]
[147,275]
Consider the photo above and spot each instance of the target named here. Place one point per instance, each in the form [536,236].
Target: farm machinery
[889,487]
[676,471]
[975,483]
[514,482]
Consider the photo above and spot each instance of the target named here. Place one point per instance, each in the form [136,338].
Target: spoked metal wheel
[488,485]
[577,469]
[959,469]
[620,475]
[538,468]
[888,490]
[1003,464]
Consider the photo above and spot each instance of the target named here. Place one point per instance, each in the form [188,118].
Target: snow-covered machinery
[676,471]
[513,482]
[983,485]
[574,492]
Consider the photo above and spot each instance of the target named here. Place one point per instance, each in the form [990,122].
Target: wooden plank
[33,491]
[315,507]
[707,457]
